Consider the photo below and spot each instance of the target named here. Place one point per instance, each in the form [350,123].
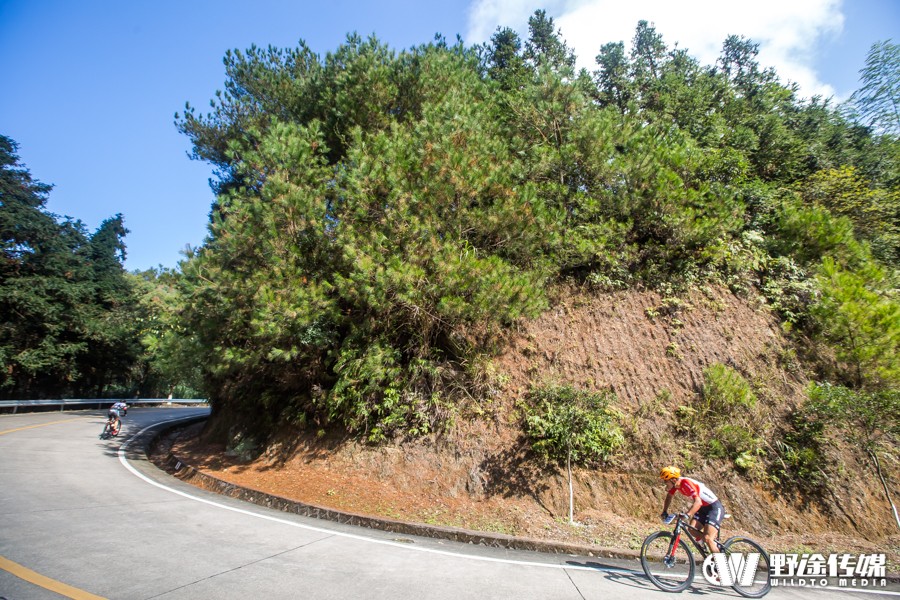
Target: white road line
[353,536]
[134,471]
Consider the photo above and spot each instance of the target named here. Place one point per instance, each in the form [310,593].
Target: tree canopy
[382,216]
[67,325]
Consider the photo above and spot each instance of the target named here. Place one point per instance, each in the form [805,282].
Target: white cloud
[787,31]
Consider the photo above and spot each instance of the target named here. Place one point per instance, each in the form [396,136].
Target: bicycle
[669,563]
[111,429]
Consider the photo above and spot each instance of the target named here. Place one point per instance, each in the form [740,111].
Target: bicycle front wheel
[752,585]
[669,567]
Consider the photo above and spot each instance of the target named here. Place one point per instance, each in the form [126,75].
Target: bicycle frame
[682,525]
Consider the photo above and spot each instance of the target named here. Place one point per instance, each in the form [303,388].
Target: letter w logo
[731,569]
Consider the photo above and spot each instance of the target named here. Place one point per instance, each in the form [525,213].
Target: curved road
[85,518]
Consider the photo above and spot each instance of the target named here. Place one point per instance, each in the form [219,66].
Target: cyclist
[706,509]
[113,417]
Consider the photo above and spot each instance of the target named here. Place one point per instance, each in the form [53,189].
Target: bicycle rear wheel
[669,567]
[760,584]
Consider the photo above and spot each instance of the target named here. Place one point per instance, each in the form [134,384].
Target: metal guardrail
[63,404]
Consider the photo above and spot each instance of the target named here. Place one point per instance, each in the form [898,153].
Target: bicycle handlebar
[682,517]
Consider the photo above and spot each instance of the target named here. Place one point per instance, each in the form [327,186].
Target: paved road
[86,518]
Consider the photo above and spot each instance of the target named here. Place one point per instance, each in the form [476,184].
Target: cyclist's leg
[712,516]
[698,523]
[711,534]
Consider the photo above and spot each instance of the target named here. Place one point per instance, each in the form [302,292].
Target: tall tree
[113,346]
[66,325]
[396,209]
[738,62]
[862,319]
[38,287]
[260,83]
[505,62]
[370,272]
[612,78]
[877,102]
[545,46]
[648,58]
[170,362]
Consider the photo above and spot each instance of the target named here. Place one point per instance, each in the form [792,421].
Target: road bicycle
[669,562]
[111,429]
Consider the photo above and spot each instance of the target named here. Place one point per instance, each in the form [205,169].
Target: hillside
[651,352]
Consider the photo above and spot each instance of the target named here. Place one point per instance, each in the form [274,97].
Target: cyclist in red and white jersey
[706,509]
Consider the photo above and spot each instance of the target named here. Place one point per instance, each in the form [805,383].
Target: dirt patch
[483,478]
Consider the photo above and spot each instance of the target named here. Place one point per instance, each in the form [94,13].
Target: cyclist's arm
[697,506]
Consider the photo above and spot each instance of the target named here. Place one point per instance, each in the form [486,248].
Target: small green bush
[721,420]
[725,390]
[563,422]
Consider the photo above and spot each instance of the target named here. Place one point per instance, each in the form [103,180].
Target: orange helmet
[670,473]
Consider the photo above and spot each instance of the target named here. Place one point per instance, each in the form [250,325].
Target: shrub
[725,391]
[570,425]
[868,421]
[565,423]
[722,419]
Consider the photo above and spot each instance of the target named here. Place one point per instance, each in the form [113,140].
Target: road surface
[87,518]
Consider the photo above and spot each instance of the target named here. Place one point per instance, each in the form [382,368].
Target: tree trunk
[887,493]
[571,492]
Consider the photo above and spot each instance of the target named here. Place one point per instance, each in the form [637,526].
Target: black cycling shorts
[711,514]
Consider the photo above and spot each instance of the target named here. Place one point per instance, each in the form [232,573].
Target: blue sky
[91,87]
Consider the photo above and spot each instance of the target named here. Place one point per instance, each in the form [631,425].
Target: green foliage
[789,290]
[67,305]
[565,423]
[170,351]
[723,420]
[725,391]
[859,314]
[877,102]
[802,460]
[417,247]
[874,211]
[809,233]
[382,216]
[867,421]
[544,48]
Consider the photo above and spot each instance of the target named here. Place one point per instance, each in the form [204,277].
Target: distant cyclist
[114,416]
[706,509]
